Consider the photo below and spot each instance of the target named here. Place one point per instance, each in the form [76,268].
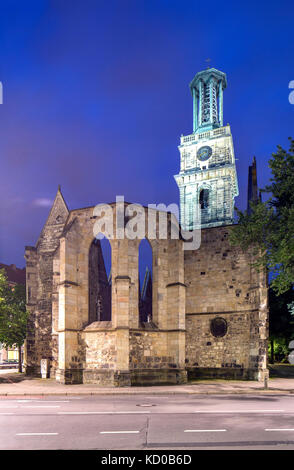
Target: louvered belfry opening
[204,198]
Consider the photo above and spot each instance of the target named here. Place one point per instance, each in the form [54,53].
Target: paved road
[148,422]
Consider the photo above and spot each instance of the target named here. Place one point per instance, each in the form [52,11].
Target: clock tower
[207,179]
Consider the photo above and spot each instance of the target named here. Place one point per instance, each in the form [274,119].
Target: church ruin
[202,313]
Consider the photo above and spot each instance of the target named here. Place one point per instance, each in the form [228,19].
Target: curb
[113,393]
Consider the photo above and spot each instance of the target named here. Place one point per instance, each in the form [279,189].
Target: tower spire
[207,90]
[252,192]
[207,179]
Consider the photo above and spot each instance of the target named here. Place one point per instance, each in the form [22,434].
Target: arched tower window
[204,198]
[145,281]
[100,280]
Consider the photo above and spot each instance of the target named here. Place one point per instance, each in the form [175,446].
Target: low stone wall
[158,377]
[105,377]
[150,363]
[226,373]
[148,350]
[98,346]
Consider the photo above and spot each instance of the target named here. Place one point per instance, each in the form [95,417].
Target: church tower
[207,180]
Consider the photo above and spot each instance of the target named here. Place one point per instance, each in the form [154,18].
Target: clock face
[204,153]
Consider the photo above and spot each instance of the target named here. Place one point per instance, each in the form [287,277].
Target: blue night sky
[96,97]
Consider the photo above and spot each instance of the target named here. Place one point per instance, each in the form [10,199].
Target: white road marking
[205,430]
[48,401]
[285,429]
[241,411]
[37,434]
[101,412]
[9,406]
[41,406]
[155,397]
[119,432]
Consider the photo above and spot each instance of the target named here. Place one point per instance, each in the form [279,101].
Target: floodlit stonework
[209,305]
[190,288]
[207,176]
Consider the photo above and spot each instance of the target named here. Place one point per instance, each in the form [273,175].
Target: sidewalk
[15,384]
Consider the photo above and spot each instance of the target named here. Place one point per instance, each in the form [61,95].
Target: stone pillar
[182,205]
[133,251]
[258,351]
[263,372]
[159,271]
[176,309]
[69,363]
[31,363]
[55,313]
[176,294]
[121,324]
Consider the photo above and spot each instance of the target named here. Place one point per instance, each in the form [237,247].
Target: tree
[269,229]
[13,315]
[281,325]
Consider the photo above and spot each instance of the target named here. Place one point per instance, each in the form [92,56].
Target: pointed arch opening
[145,281]
[100,280]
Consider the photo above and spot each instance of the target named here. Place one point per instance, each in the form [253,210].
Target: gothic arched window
[145,281]
[204,198]
[100,280]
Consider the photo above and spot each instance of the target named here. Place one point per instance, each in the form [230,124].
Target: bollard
[44,368]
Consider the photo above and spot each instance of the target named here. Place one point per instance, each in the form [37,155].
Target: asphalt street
[148,422]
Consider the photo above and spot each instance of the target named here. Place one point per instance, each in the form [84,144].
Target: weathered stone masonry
[221,282]
[190,288]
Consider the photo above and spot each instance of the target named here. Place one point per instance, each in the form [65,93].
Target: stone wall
[189,289]
[99,351]
[148,350]
[82,350]
[205,351]
[31,294]
[222,283]
[151,359]
[40,343]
